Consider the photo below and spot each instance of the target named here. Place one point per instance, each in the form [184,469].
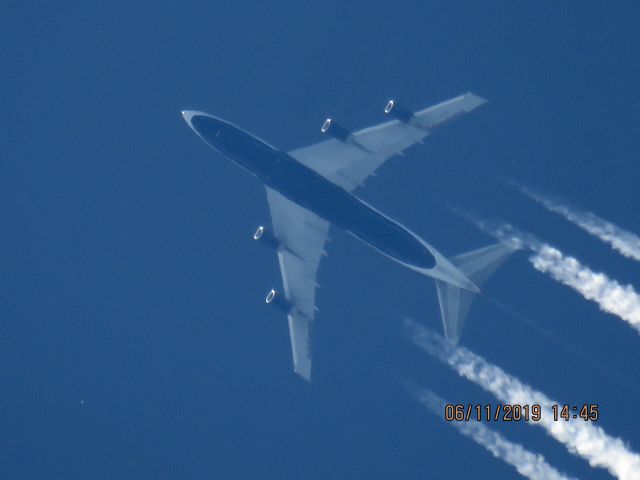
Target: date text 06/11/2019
[516,412]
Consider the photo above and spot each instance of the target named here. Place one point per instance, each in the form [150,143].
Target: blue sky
[134,340]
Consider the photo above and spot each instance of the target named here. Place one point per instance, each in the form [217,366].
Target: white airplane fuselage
[309,189]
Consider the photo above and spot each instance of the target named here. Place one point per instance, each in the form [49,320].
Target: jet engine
[266,238]
[277,300]
[398,111]
[333,128]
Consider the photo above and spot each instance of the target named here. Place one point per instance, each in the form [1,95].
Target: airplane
[310,188]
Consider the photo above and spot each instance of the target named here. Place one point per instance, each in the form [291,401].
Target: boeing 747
[310,188]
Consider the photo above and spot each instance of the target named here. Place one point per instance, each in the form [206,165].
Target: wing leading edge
[349,162]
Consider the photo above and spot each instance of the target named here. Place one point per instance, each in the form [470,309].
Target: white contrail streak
[622,379]
[528,464]
[580,437]
[620,300]
[612,297]
[625,242]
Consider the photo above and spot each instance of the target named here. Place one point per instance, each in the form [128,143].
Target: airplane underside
[310,188]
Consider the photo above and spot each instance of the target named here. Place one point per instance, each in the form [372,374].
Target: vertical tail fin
[455,302]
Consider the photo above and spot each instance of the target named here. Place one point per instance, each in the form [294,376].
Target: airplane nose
[188,115]
[203,124]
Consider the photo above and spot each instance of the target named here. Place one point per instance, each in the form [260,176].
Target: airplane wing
[303,235]
[350,159]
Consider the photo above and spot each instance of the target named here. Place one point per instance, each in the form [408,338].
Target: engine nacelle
[266,238]
[275,299]
[398,111]
[333,128]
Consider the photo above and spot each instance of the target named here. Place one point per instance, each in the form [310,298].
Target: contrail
[612,297]
[528,464]
[625,242]
[620,300]
[580,437]
[623,381]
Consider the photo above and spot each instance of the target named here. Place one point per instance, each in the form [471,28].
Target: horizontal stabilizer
[455,302]
[479,264]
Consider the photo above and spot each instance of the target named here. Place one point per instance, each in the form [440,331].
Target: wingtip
[479,100]
[305,375]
